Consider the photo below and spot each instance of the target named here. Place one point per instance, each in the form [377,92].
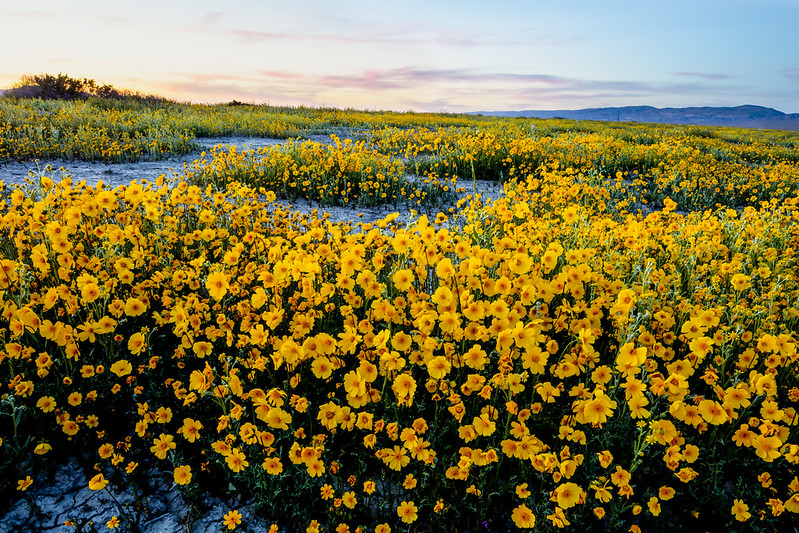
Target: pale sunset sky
[431,55]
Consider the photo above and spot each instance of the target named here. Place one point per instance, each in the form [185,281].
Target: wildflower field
[609,346]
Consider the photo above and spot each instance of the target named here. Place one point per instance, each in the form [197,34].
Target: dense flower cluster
[339,173]
[551,359]
[636,165]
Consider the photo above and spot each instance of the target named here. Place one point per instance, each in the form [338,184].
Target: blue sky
[418,55]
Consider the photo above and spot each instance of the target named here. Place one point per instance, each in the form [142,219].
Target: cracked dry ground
[157,507]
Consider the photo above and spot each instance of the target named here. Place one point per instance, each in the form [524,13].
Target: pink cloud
[428,89]
[405,77]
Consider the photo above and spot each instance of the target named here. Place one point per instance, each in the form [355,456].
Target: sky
[427,56]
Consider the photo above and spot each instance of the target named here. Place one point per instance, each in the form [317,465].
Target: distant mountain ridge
[743,116]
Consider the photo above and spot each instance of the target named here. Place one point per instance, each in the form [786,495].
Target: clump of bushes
[63,87]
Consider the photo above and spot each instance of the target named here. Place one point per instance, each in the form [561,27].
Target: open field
[610,345]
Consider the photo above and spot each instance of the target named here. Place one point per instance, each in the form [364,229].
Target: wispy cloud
[379,33]
[791,73]
[703,75]
[251,37]
[368,38]
[406,77]
[435,89]
[210,18]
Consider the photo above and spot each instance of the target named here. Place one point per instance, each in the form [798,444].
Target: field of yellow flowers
[118,130]
[610,346]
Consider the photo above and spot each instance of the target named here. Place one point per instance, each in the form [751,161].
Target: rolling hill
[744,116]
